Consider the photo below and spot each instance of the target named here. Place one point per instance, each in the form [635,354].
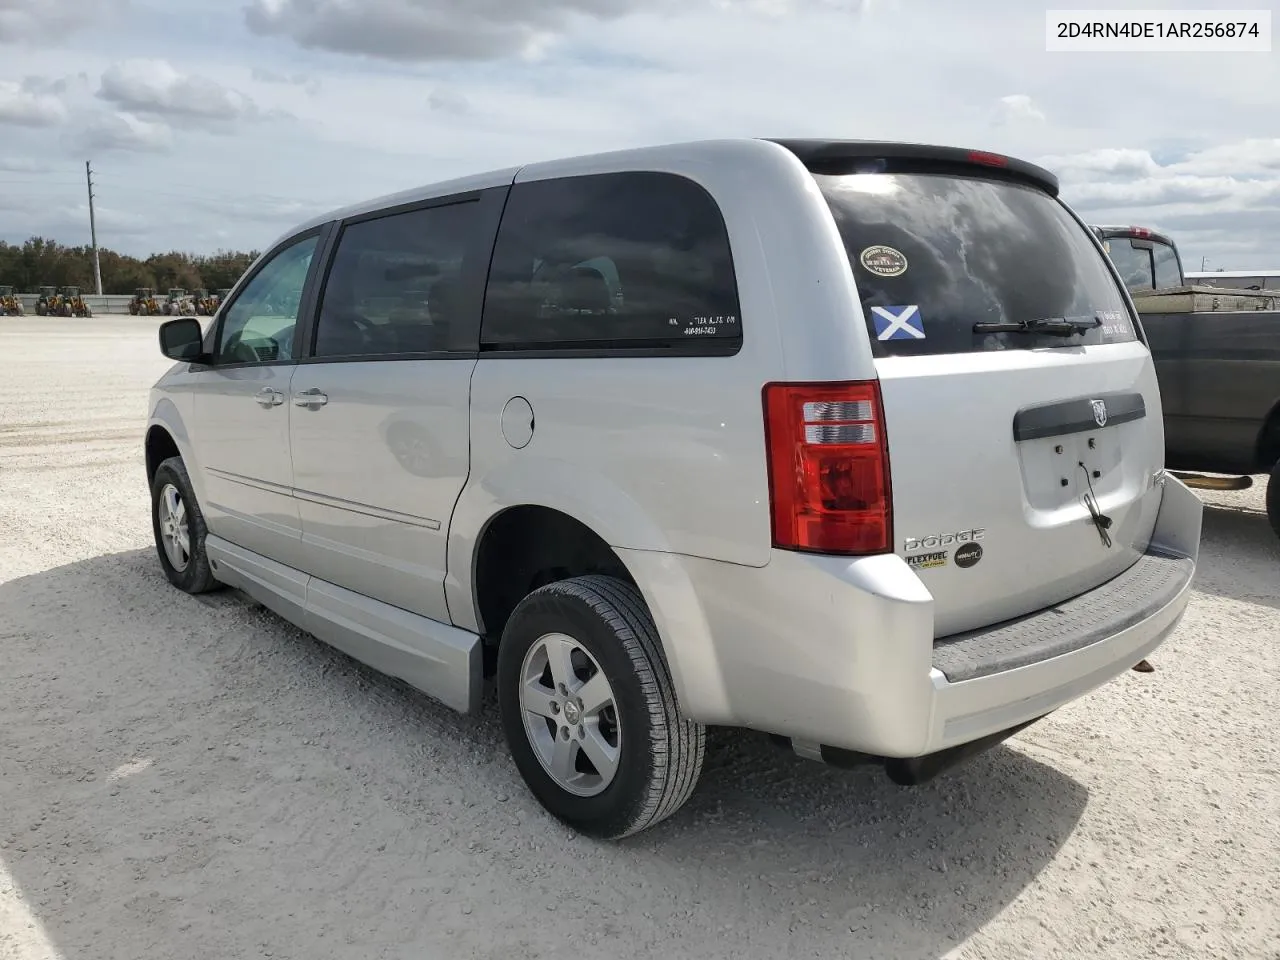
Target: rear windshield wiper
[1051,326]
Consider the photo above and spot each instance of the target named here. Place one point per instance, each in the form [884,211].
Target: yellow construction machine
[73,304]
[144,303]
[10,305]
[178,303]
[48,302]
[206,303]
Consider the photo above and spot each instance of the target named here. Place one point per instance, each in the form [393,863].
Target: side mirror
[182,339]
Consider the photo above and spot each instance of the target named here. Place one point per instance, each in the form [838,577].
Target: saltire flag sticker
[898,323]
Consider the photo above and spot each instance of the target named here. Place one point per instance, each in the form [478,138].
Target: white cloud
[42,19]
[27,104]
[448,100]
[1124,163]
[22,165]
[1018,108]
[1222,202]
[1249,157]
[310,84]
[154,88]
[426,29]
[121,131]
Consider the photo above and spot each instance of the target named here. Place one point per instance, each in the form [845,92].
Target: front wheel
[179,529]
[589,708]
[1273,499]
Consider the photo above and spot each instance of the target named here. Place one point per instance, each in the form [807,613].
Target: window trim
[565,350]
[323,234]
[491,203]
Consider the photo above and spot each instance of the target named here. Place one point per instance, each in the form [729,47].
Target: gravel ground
[196,778]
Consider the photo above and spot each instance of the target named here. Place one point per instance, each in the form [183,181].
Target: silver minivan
[857,444]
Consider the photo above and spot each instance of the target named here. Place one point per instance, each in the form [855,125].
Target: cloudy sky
[219,123]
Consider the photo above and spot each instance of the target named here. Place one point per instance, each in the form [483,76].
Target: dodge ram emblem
[1099,412]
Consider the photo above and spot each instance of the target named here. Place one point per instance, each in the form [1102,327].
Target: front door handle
[266,397]
[312,398]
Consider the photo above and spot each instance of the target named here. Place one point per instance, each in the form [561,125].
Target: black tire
[195,576]
[660,752]
[1273,499]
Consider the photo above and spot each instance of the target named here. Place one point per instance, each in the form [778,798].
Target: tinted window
[394,285]
[612,260]
[258,325]
[1168,273]
[935,254]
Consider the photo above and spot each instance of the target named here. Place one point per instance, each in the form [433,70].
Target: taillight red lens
[828,467]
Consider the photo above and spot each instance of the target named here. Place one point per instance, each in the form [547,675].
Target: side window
[1166,264]
[394,287]
[611,261]
[258,326]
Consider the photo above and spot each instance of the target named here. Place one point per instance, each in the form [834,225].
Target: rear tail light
[1142,232]
[988,159]
[828,467]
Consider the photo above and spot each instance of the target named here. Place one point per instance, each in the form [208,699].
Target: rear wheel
[180,529]
[589,709]
[1273,499]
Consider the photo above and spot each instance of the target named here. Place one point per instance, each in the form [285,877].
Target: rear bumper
[840,653]
[979,705]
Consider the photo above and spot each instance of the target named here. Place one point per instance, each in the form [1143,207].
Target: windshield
[935,254]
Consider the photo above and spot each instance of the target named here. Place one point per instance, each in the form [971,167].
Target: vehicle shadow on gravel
[194,777]
[1239,556]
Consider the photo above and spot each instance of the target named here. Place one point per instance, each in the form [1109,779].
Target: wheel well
[160,447]
[524,548]
[1269,440]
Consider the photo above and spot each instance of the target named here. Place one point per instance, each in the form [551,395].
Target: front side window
[394,287]
[936,254]
[612,261]
[258,326]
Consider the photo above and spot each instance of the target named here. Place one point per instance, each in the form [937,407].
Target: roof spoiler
[868,156]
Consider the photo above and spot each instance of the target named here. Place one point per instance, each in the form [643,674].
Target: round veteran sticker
[883,261]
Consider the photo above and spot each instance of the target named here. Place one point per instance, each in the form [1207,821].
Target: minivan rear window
[935,254]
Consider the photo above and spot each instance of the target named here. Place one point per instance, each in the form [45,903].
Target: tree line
[41,262]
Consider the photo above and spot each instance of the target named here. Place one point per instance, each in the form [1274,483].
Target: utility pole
[93,231]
